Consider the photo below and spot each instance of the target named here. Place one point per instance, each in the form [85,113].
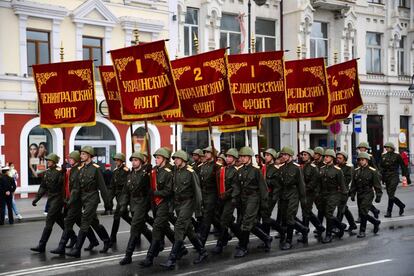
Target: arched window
[40,143]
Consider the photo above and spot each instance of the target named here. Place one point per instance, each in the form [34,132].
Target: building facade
[380,33]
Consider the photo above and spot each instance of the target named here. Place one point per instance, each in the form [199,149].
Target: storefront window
[39,144]
[138,139]
[232,140]
[191,140]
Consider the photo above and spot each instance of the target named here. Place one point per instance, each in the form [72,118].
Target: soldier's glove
[34,202]
[377,199]
[353,198]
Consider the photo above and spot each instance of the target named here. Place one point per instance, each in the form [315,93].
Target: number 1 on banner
[139,66]
[253,74]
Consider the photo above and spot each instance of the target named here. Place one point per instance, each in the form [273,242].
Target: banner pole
[176,137]
[335,61]
[147,138]
[298,53]
[210,130]
[62,54]
[132,139]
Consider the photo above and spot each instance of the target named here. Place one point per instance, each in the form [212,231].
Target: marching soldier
[227,180]
[390,163]
[118,180]
[74,210]
[332,188]
[343,210]
[196,156]
[135,194]
[365,180]
[221,160]
[318,154]
[293,191]
[52,185]
[250,193]
[86,189]
[312,187]
[187,201]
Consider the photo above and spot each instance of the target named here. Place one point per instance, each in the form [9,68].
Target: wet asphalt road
[389,253]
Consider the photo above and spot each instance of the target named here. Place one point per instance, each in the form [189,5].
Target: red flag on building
[306,89]
[66,93]
[202,85]
[257,83]
[344,91]
[145,81]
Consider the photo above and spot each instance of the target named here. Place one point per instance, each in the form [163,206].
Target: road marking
[346,267]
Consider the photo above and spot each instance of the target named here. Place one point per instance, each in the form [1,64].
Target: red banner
[344,90]
[157,199]
[257,83]
[202,85]
[66,93]
[224,120]
[250,122]
[145,80]
[306,89]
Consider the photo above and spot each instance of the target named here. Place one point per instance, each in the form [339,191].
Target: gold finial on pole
[298,52]
[196,45]
[136,36]
[335,57]
[61,51]
[252,44]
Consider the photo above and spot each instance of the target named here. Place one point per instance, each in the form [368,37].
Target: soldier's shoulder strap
[357,168]
[81,166]
[190,169]
[255,166]
[58,169]
[372,169]
[296,164]
[350,165]
[96,165]
[126,169]
[336,167]
[201,164]
[167,169]
[313,165]
[238,168]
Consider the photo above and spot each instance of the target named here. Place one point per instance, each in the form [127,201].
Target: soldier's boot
[73,238]
[60,250]
[93,241]
[350,218]
[321,216]
[43,240]
[76,251]
[289,236]
[303,229]
[103,235]
[389,208]
[147,234]
[234,227]
[220,242]
[182,252]
[319,227]
[276,226]
[375,222]
[340,226]
[129,251]
[328,233]
[241,250]
[362,227]
[282,239]
[266,229]
[114,231]
[265,238]
[196,225]
[375,211]
[152,252]
[400,205]
[170,264]
[202,252]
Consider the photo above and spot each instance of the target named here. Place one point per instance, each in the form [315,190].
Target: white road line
[346,267]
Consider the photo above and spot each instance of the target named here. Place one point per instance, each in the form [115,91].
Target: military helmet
[145,153]
[364,155]
[363,145]
[344,154]
[180,154]
[222,156]
[330,152]
[272,152]
[309,151]
[287,150]
[389,145]
[168,150]
[209,149]
[233,152]
[120,156]
[162,152]
[246,151]
[52,157]
[88,149]
[318,150]
[75,155]
[138,155]
[198,152]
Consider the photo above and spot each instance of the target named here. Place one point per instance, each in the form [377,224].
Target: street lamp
[411,88]
[249,9]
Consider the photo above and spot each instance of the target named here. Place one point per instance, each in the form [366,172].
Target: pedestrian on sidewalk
[13,174]
[7,188]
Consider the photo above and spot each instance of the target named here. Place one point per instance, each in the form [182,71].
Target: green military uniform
[52,185]
[389,165]
[118,181]
[365,180]
[332,188]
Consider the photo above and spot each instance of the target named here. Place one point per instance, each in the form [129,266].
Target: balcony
[332,5]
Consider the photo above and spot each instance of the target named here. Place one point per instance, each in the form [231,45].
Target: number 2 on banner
[139,66]
[253,73]
[197,73]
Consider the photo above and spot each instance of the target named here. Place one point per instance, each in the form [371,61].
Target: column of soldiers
[227,191]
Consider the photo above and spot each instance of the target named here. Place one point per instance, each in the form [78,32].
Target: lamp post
[249,17]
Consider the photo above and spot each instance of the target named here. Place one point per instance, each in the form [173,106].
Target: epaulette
[323,166]
[199,165]
[219,164]
[238,168]
[313,165]
[336,167]
[296,164]
[190,169]
[81,166]
[357,168]
[168,170]
[349,165]
[58,169]
[96,165]
[255,166]
[372,169]
[126,169]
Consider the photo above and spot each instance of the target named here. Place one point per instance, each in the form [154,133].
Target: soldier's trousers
[289,208]
[117,213]
[308,206]
[209,212]
[267,219]
[139,210]
[73,215]
[161,220]
[183,226]
[364,202]
[329,203]
[89,218]
[55,214]
[249,210]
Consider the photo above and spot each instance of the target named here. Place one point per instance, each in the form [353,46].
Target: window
[230,35]
[375,1]
[191,140]
[40,143]
[265,35]
[373,58]
[190,31]
[319,40]
[38,48]
[92,49]
[232,140]
[401,57]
